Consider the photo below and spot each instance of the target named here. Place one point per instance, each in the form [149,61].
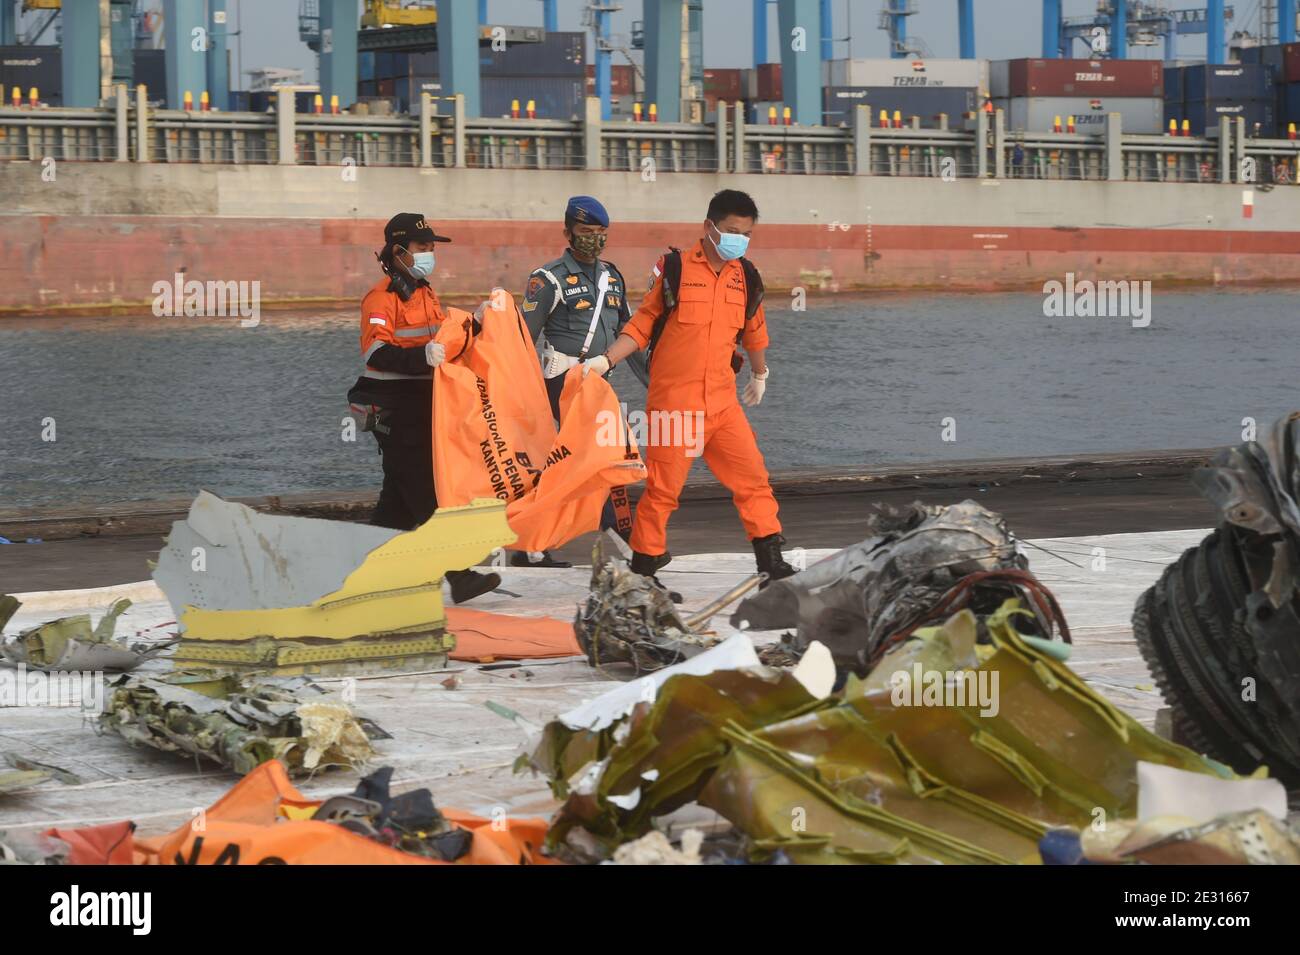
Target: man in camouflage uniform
[579,302]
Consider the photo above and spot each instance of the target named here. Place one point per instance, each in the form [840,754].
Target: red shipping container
[622,79]
[1291,62]
[385,88]
[1044,78]
[722,84]
[769,82]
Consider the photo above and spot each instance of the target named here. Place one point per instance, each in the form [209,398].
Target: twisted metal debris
[1221,628]
[921,564]
[71,643]
[628,619]
[238,723]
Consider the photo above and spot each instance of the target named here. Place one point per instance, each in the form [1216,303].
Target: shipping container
[556,97]
[768,77]
[758,112]
[926,102]
[28,66]
[749,84]
[151,70]
[1270,56]
[723,84]
[1288,107]
[424,63]
[1173,83]
[415,85]
[384,65]
[1203,116]
[1228,81]
[559,54]
[1030,78]
[365,65]
[908,72]
[1139,114]
[1291,63]
[622,79]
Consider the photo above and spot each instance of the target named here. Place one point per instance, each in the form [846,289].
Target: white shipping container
[1000,79]
[908,71]
[1139,114]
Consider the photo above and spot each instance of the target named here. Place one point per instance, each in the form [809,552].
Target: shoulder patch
[535,285]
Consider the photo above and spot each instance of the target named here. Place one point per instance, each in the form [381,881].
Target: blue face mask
[421,264]
[729,244]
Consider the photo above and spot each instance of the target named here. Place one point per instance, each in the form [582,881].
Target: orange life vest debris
[482,636]
[261,821]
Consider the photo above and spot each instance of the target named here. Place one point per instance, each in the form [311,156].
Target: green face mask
[588,246]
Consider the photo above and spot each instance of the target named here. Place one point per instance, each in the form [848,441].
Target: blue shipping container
[556,97]
[1204,115]
[1270,56]
[927,102]
[1289,107]
[1174,84]
[559,54]
[1235,81]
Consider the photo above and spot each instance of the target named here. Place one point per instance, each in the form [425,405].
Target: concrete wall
[308,235]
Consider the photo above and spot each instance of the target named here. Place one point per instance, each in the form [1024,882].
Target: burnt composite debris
[239,723]
[920,564]
[1221,628]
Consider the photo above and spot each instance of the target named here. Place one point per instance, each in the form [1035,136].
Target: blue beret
[587,210]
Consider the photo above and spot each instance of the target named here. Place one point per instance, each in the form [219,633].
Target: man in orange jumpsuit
[700,306]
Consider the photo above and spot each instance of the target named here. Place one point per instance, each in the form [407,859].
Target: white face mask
[421,264]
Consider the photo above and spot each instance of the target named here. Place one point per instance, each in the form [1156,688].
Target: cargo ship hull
[108,233]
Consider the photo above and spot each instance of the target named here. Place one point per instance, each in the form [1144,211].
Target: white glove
[599,364]
[435,353]
[755,387]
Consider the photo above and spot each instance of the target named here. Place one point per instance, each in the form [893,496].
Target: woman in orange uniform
[399,317]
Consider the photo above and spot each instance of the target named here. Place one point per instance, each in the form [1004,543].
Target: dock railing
[438,134]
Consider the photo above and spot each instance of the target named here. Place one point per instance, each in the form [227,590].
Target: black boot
[767,554]
[468,584]
[521,558]
[646,565]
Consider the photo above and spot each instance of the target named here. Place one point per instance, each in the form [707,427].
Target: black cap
[408,227]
